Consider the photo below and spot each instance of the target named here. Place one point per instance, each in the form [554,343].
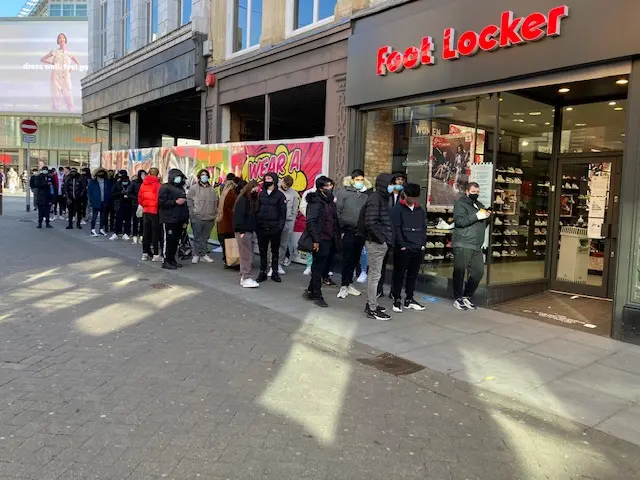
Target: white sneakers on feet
[362,278]
[287,262]
[102,232]
[126,237]
[134,240]
[113,237]
[207,259]
[157,258]
[249,283]
[145,257]
[281,270]
[307,271]
[270,272]
[195,259]
[343,293]
[353,291]
[82,222]
[94,233]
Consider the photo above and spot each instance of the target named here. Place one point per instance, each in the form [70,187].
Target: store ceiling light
[612,103]
[519,114]
[569,109]
[547,123]
[618,109]
[525,143]
[535,114]
[622,81]
[595,150]
[581,124]
[564,90]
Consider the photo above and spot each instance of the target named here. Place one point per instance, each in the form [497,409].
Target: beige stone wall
[378,148]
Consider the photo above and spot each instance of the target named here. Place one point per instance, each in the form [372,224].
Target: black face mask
[328,193]
[268,184]
[473,197]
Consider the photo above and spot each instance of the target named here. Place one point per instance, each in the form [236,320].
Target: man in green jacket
[471,219]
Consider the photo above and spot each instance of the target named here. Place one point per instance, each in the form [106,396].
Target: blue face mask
[125,183]
[177,179]
[358,185]
[390,188]
[204,178]
[45,171]
[398,187]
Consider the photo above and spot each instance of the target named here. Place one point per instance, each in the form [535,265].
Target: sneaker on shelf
[351,290]
[126,237]
[102,232]
[513,253]
[517,180]
[281,270]
[511,170]
[498,190]
[459,304]
[509,180]
[207,259]
[94,233]
[496,244]
[500,179]
[307,271]
[519,171]
[431,245]
[429,258]
[567,186]
[157,258]
[575,187]
[144,257]
[195,259]
[514,243]
[377,314]
[134,240]
[249,283]
[499,201]
[113,237]
[442,225]
[343,293]
[505,253]
[413,305]
[497,222]
[439,245]
[362,278]
[496,253]
[497,234]
[467,303]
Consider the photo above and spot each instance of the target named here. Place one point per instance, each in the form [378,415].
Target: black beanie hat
[322,181]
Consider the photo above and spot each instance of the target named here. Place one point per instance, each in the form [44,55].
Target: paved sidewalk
[578,376]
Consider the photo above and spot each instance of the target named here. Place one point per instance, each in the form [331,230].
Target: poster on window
[470,145]
[449,171]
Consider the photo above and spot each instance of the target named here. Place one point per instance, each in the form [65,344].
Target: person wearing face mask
[45,194]
[398,180]
[375,224]
[132,191]
[410,233]
[202,201]
[122,204]
[75,190]
[271,217]
[148,199]
[244,226]
[174,216]
[471,219]
[99,195]
[293,205]
[109,209]
[321,237]
[86,175]
[350,201]
[59,201]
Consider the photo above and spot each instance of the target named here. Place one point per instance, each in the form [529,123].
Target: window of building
[305,14]
[245,25]
[67,9]
[126,26]
[184,11]
[103,31]
[81,10]
[55,10]
[152,20]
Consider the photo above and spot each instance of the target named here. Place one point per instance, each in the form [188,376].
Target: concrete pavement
[113,369]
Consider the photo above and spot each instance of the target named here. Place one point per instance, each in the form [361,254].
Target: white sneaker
[352,291]
[83,222]
[217,250]
[94,233]
[144,257]
[102,232]
[281,270]
[362,278]
[157,258]
[287,262]
[442,225]
[249,283]
[113,237]
[270,272]
[498,222]
[307,271]
[126,237]
[207,259]
[343,293]
[134,240]
[331,274]
[195,259]
[55,217]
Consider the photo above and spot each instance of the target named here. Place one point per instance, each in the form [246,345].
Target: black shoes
[39,225]
[275,276]
[169,266]
[378,314]
[413,305]
[49,225]
[68,227]
[327,282]
[262,277]
[321,303]
[307,295]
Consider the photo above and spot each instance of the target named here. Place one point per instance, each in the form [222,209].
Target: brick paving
[105,375]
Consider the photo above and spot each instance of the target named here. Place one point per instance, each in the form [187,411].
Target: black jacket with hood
[317,207]
[133,188]
[350,201]
[410,226]
[120,195]
[272,209]
[75,187]
[244,214]
[469,231]
[169,210]
[377,215]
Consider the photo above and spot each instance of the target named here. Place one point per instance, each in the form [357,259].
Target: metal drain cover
[159,286]
[392,364]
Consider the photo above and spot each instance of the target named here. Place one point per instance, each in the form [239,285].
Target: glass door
[585,225]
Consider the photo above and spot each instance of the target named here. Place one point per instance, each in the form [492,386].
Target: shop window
[151,8]
[125,25]
[520,224]
[303,14]
[184,11]
[245,25]
[594,127]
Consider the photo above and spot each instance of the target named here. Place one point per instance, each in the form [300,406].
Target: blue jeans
[94,217]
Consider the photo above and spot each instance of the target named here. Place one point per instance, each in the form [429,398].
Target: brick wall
[378,149]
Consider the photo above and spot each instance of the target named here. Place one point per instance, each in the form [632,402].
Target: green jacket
[469,231]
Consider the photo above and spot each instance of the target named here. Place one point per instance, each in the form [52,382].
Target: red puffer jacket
[148,195]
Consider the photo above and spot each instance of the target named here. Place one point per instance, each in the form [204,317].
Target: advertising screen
[41,64]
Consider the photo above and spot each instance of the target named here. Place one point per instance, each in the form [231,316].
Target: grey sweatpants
[376,252]
[201,231]
[285,239]
[245,250]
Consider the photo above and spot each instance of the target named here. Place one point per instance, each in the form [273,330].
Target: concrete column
[218,35]
[114,30]
[134,128]
[168,16]
[274,14]
[93,15]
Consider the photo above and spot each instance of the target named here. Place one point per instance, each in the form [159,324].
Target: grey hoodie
[349,202]
[293,203]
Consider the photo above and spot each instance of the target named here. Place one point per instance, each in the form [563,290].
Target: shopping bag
[231,252]
[184,247]
[139,211]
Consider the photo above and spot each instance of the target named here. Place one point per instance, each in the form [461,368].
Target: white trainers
[307,271]
[287,262]
[94,233]
[157,258]
[353,291]
[207,259]
[126,237]
[113,237]
[83,222]
[343,293]
[362,278]
[134,240]
[195,259]
[144,257]
[270,272]
[281,270]
[442,225]
[102,232]
[331,274]
[249,283]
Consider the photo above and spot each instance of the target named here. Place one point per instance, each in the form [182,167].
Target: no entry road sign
[29,127]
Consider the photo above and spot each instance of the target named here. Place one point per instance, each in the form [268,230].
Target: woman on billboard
[62,60]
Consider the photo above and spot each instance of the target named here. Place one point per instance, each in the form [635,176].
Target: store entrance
[586,230]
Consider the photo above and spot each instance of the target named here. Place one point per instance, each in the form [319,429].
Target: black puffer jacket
[377,216]
[134,188]
[120,195]
[317,207]
[169,210]
[44,183]
[410,226]
[244,215]
[272,209]
[75,187]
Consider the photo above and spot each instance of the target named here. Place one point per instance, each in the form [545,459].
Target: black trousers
[320,267]
[83,208]
[352,245]
[137,224]
[151,233]
[44,211]
[123,219]
[109,217]
[75,209]
[62,204]
[383,271]
[171,235]
[406,265]
[467,261]
[264,240]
